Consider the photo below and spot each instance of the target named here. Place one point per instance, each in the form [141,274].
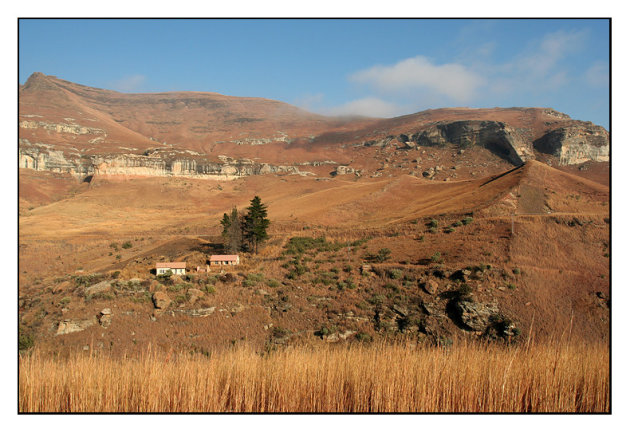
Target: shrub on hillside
[467,220]
[436,257]
[383,255]
[395,274]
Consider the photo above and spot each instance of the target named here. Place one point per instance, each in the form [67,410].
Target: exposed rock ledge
[43,159]
[573,144]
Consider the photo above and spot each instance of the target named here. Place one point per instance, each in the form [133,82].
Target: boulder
[161,300]
[430,286]
[103,286]
[105,317]
[344,169]
[474,315]
[401,310]
[68,326]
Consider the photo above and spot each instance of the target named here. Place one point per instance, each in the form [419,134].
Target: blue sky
[368,67]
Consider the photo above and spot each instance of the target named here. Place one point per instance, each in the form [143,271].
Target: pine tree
[256,223]
[232,231]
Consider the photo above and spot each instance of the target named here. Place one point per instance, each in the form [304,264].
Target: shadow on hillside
[209,248]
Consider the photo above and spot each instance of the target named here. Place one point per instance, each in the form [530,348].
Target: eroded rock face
[474,315]
[576,144]
[68,326]
[105,317]
[42,157]
[103,286]
[503,140]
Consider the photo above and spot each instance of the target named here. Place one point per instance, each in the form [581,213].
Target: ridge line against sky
[380,68]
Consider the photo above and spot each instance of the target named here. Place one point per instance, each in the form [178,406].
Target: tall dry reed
[377,378]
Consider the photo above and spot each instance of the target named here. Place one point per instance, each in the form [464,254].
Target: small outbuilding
[176,268]
[230,260]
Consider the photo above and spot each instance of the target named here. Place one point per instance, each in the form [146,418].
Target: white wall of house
[173,271]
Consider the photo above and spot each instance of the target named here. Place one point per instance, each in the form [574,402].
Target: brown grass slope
[550,226]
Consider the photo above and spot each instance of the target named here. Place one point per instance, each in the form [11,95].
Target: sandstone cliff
[42,157]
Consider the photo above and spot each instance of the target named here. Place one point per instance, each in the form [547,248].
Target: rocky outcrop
[343,169]
[42,157]
[430,286]
[103,286]
[501,139]
[474,315]
[161,300]
[105,317]
[68,128]
[576,144]
[68,326]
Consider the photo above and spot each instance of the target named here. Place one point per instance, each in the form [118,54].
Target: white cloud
[309,101]
[419,74]
[370,106]
[549,52]
[597,75]
[130,83]
[537,69]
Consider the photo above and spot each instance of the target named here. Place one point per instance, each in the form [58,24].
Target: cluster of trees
[245,231]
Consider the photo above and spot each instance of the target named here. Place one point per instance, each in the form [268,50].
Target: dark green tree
[256,224]
[232,231]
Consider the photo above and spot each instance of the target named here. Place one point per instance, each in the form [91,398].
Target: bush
[376,299]
[272,283]
[126,245]
[433,230]
[511,286]
[279,332]
[464,291]
[393,287]
[433,223]
[325,331]
[449,230]
[363,337]
[516,271]
[436,257]
[165,277]
[467,220]
[383,255]
[253,279]
[105,296]
[395,274]
[180,299]
[458,223]
[209,289]
[88,280]
[25,341]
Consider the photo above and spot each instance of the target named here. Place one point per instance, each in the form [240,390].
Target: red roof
[172,265]
[228,258]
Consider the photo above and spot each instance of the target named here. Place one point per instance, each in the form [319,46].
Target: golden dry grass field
[541,378]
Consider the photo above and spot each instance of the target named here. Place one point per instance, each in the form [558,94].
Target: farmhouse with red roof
[224,260]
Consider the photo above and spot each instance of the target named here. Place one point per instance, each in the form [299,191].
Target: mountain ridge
[69,127]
